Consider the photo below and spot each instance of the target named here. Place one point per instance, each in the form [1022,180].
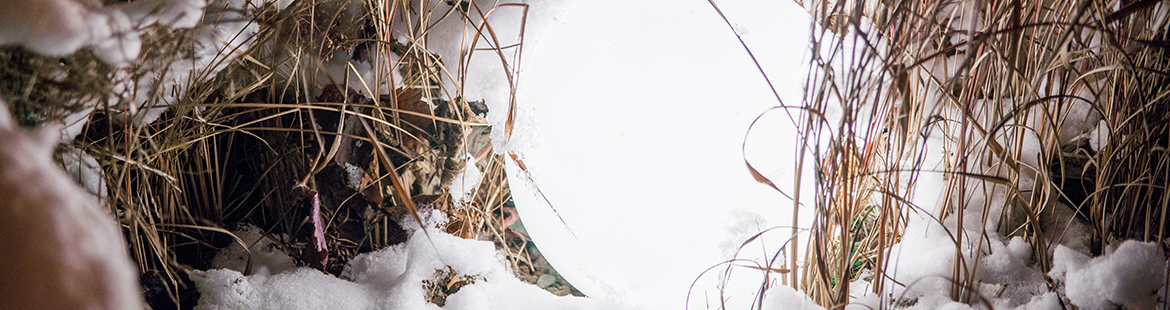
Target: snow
[626,163]
[61,27]
[1099,137]
[923,261]
[466,181]
[353,175]
[303,288]
[785,298]
[391,278]
[218,40]
[24,23]
[115,42]
[1130,276]
[636,144]
[85,170]
[265,254]
[171,13]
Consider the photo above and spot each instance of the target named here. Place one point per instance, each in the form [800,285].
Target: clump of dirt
[445,283]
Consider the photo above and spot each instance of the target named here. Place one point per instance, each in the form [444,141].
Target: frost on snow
[59,250]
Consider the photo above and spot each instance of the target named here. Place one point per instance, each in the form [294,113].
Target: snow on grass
[215,42]
[61,27]
[466,181]
[396,277]
[60,249]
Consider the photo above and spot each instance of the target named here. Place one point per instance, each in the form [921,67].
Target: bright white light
[631,119]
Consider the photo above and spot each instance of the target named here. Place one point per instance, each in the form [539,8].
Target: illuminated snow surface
[632,131]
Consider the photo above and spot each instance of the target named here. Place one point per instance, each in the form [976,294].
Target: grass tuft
[248,144]
[1013,91]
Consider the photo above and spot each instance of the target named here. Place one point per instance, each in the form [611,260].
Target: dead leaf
[399,190]
[317,252]
[372,185]
[410,99]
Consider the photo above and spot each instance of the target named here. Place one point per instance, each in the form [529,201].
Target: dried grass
[1038,58]
[233,146]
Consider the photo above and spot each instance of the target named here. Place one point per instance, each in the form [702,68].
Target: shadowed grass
[233,145]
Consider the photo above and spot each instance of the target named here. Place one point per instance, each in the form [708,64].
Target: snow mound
[391,278]
[1130,276]
[784,297]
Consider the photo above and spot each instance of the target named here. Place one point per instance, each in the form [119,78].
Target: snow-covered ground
[398,277]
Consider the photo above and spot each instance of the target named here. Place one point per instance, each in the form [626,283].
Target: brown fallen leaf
[371,187]
[410,99]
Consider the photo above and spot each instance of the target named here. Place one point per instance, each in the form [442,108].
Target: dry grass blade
[759,177]
[247,247]
[528,176]
[401,191]
[257,120]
